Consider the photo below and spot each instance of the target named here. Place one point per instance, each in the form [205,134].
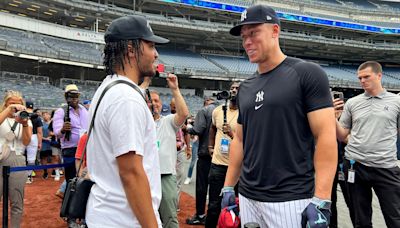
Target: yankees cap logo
[148,26]
[243,16]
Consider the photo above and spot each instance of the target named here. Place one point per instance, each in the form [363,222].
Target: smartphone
[336,94]
[160,72]
[340,95]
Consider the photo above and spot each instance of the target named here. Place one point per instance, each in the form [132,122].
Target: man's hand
[226,128]
[66,127]
[146,83]
[172,81]
[338,106]
[39,147]
[188,151]
[317,214]
[211,150]
[228,197]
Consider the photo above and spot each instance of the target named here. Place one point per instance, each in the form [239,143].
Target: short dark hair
[233,82]
[375,66]
[115,53]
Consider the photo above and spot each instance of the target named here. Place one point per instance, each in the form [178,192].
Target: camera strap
[14,126]
[135,87]
[149,100]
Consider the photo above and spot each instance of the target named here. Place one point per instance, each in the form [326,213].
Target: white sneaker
[57,177]
[29,180]
[187,180]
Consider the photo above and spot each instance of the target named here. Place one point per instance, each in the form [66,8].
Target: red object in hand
[160,68]
[229,217]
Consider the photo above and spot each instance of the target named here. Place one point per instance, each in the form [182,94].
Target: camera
[24,115]
[223,95]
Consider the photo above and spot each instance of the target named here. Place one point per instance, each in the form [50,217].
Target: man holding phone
[371,121]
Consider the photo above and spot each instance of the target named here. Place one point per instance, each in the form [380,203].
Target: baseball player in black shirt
[284,149]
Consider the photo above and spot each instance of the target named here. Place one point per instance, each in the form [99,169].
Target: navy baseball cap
[257,14]
[131,28]
[165,110]
[86,102]
[29,104]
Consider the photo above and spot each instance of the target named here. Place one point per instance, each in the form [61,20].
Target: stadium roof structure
[196,27]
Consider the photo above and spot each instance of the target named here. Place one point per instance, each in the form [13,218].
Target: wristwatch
[321,204]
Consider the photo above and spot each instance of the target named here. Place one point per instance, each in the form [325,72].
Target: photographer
[69,123]
[224,121]
[15,135]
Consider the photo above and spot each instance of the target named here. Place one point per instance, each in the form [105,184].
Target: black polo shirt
[277,139]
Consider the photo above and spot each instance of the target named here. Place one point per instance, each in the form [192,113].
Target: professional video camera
[223,95]
[25,115]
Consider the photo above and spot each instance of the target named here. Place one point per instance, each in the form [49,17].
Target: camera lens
[23,114]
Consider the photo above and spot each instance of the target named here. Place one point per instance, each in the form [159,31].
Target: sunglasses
[72,95]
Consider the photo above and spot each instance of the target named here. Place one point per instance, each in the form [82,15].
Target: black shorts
[45,154]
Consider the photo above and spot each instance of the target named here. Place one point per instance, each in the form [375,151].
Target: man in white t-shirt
[167,127]
[122,156]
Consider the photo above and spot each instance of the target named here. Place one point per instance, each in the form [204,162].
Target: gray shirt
[166,138]
[373,124]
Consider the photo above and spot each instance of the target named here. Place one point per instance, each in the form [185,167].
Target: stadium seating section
[183,61]
[36,88]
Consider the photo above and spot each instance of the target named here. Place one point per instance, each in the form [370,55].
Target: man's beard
[233,99]
[143,73]
[148,72]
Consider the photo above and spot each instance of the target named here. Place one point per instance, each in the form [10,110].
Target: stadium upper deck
[197,30]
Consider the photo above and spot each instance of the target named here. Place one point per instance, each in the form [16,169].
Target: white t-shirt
[16,144]
[166,135]
[123,123]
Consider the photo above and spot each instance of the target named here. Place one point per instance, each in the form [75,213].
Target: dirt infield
[42,206]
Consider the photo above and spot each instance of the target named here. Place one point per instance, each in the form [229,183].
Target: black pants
[386,184]
[69,157]
[334,215]
[202,171]
[216,181]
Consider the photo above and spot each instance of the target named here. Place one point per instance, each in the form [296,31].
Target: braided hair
[115,53]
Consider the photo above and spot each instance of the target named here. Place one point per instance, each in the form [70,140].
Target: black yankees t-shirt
[277,139]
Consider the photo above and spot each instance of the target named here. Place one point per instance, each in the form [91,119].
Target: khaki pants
[180,172]
[168,202]
[16,187]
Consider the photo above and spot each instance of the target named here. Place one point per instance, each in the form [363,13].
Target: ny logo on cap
[244,15]
[269,18]
[148,26]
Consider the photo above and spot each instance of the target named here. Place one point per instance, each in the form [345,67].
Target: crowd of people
[273,143]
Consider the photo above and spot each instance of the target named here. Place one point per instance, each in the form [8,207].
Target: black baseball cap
[257,14]
[29,104]
[131,28]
